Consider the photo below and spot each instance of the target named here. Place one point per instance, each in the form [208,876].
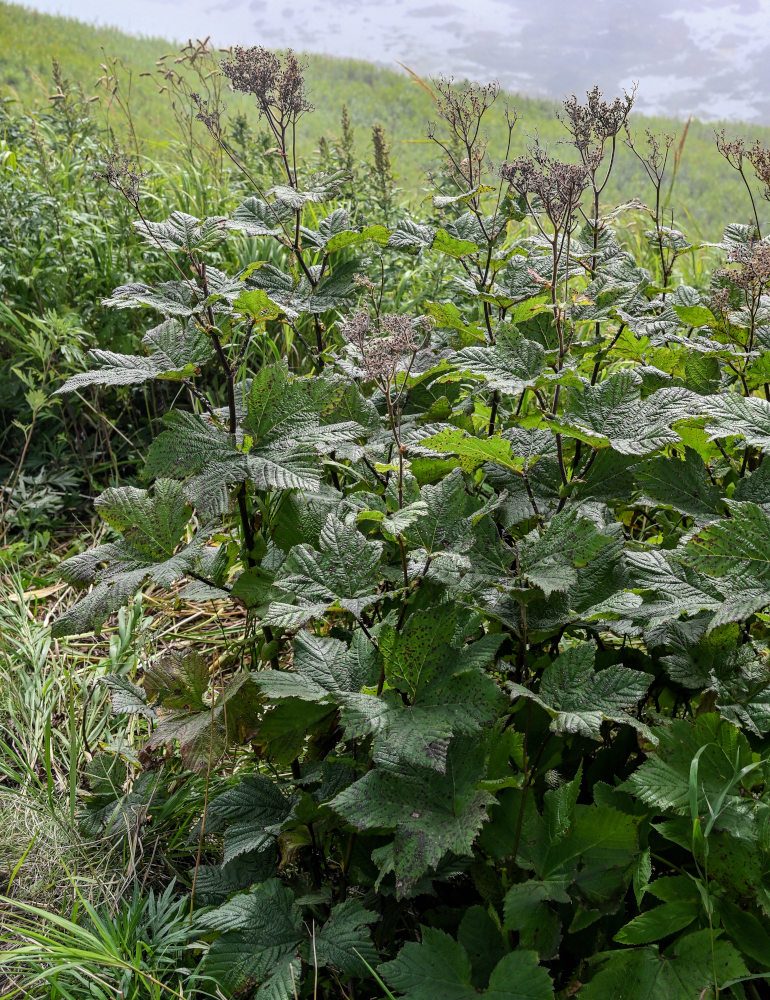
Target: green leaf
[247,812]
[611,477]
[663,780]
[254,587]
[454,701]
[737,547]
[451,246]
[439,967]
[746,932]
[205,732]
[659,922]
[551,560]
[127,698]
[526,911]
[397,522]
[598,852]
[681,486]
[449,317]
[285,728]
[260,933]
[670,587]
[579,699]
[737,675]
[431,813]
[376,233]
[695,315]
[642,876]
[411,237]
[683,972]
[284,415]
[447,523]
[278,406]
[178,679]
[116,369]
[343,571]
[414,654]
[321,187]
[344,941]
[255,217]
[483,942]
[509,366]
[172,298]
[443,201]
[473,451]
[323,670]
[215,883]
[183,232]
[731,415]
[258,305]
[153,525]
[191,443]
[613,414]
[194,448]
[519,977]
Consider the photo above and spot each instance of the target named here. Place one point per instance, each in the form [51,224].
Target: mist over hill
[705,58]
[706,192]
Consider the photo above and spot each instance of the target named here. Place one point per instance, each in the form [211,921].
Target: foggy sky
[709,58]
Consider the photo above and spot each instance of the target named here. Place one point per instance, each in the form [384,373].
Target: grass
[132,952]
[706,190]
[46,721]
[56,721]
[79,915]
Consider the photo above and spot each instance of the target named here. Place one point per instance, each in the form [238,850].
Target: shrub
[500,714]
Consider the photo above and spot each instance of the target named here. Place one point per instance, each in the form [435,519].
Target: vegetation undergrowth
[440,665]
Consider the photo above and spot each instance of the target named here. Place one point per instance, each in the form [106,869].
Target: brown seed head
[593,123]
[278,83]
[558,186]
[381,351]
[119,170]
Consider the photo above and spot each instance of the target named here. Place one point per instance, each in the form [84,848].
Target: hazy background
[710,58]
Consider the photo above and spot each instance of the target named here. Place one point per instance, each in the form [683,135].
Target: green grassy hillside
[707,192]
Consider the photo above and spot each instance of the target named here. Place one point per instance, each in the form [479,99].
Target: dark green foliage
[498,722]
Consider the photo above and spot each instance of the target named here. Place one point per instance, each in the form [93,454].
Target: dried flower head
[463,109]
[381,151]
[362,281]
[759,157]
[381,349]
[593,123]
[720,300]
[278,83]
[120,171]
[558,186]
[753,271]
[733,150]
[654,156]
[211,117]
[347,138]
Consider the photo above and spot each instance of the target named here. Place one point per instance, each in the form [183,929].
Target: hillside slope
[707,191]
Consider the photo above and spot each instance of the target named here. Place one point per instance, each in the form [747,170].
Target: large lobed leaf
[439,967]
[430,813]
[579,698]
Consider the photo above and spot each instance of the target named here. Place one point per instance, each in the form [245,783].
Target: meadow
[705,193]
[385,535]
